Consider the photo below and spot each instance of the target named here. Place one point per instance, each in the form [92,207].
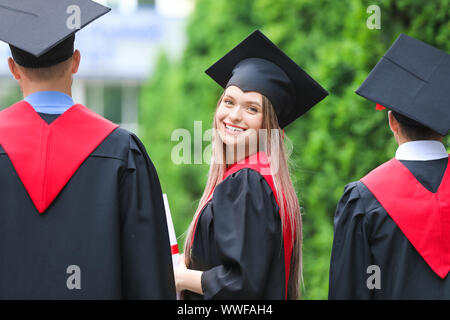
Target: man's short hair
[414,130]
[54,72]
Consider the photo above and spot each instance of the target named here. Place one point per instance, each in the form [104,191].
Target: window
[112,106]
[117,102]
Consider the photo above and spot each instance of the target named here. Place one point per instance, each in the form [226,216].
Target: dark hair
[414,130]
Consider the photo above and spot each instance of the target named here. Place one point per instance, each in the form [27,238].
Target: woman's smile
[233,129]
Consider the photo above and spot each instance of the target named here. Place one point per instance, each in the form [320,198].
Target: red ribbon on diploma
[174,249]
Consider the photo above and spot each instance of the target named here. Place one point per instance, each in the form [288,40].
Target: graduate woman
[245,239]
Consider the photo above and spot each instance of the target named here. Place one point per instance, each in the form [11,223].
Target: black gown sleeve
[147,271]
[350,256]
[247,232]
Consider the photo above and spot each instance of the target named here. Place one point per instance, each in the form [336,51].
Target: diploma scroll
[172,237]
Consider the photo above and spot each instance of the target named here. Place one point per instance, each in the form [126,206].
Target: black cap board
[33,28]
[412,79]
[257,64]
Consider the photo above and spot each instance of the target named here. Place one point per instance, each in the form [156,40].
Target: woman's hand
[179,273]
[186,279]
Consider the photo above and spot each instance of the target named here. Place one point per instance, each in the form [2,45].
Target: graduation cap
[412,79]
[41,33]
[256,64]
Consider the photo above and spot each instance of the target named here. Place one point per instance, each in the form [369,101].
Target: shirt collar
[50,102]
[421,150]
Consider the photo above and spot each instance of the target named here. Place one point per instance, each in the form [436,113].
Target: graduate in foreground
[81,209]
[245,239]
[392,228]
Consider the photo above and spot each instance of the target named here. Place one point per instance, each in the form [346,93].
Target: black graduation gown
[238,241]
[366,235]
[106,231]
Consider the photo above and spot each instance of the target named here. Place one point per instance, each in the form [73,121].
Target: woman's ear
[13,68]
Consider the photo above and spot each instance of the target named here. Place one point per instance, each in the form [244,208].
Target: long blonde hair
[286,196]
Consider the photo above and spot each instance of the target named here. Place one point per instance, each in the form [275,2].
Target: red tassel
[379,107]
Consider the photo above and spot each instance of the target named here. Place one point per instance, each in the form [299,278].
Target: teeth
[233,128]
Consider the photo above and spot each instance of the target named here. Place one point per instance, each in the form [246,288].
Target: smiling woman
[233,248]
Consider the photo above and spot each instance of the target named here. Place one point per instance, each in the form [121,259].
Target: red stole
[260,163]
[422,216]
[46,156]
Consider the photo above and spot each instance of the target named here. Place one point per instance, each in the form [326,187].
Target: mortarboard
[257,64]
[413,80]
[42,33]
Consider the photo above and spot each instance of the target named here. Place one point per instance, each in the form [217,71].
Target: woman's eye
[228,102]
[252,109]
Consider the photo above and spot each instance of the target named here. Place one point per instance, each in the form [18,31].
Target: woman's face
[239,117]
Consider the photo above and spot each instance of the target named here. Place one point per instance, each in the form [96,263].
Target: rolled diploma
[172,237]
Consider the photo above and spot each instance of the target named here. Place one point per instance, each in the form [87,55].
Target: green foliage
[11,94]
[338,141]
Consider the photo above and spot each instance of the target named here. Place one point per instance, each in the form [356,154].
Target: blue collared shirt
[50,102]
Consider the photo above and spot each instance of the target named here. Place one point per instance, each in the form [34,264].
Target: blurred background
[143,67]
